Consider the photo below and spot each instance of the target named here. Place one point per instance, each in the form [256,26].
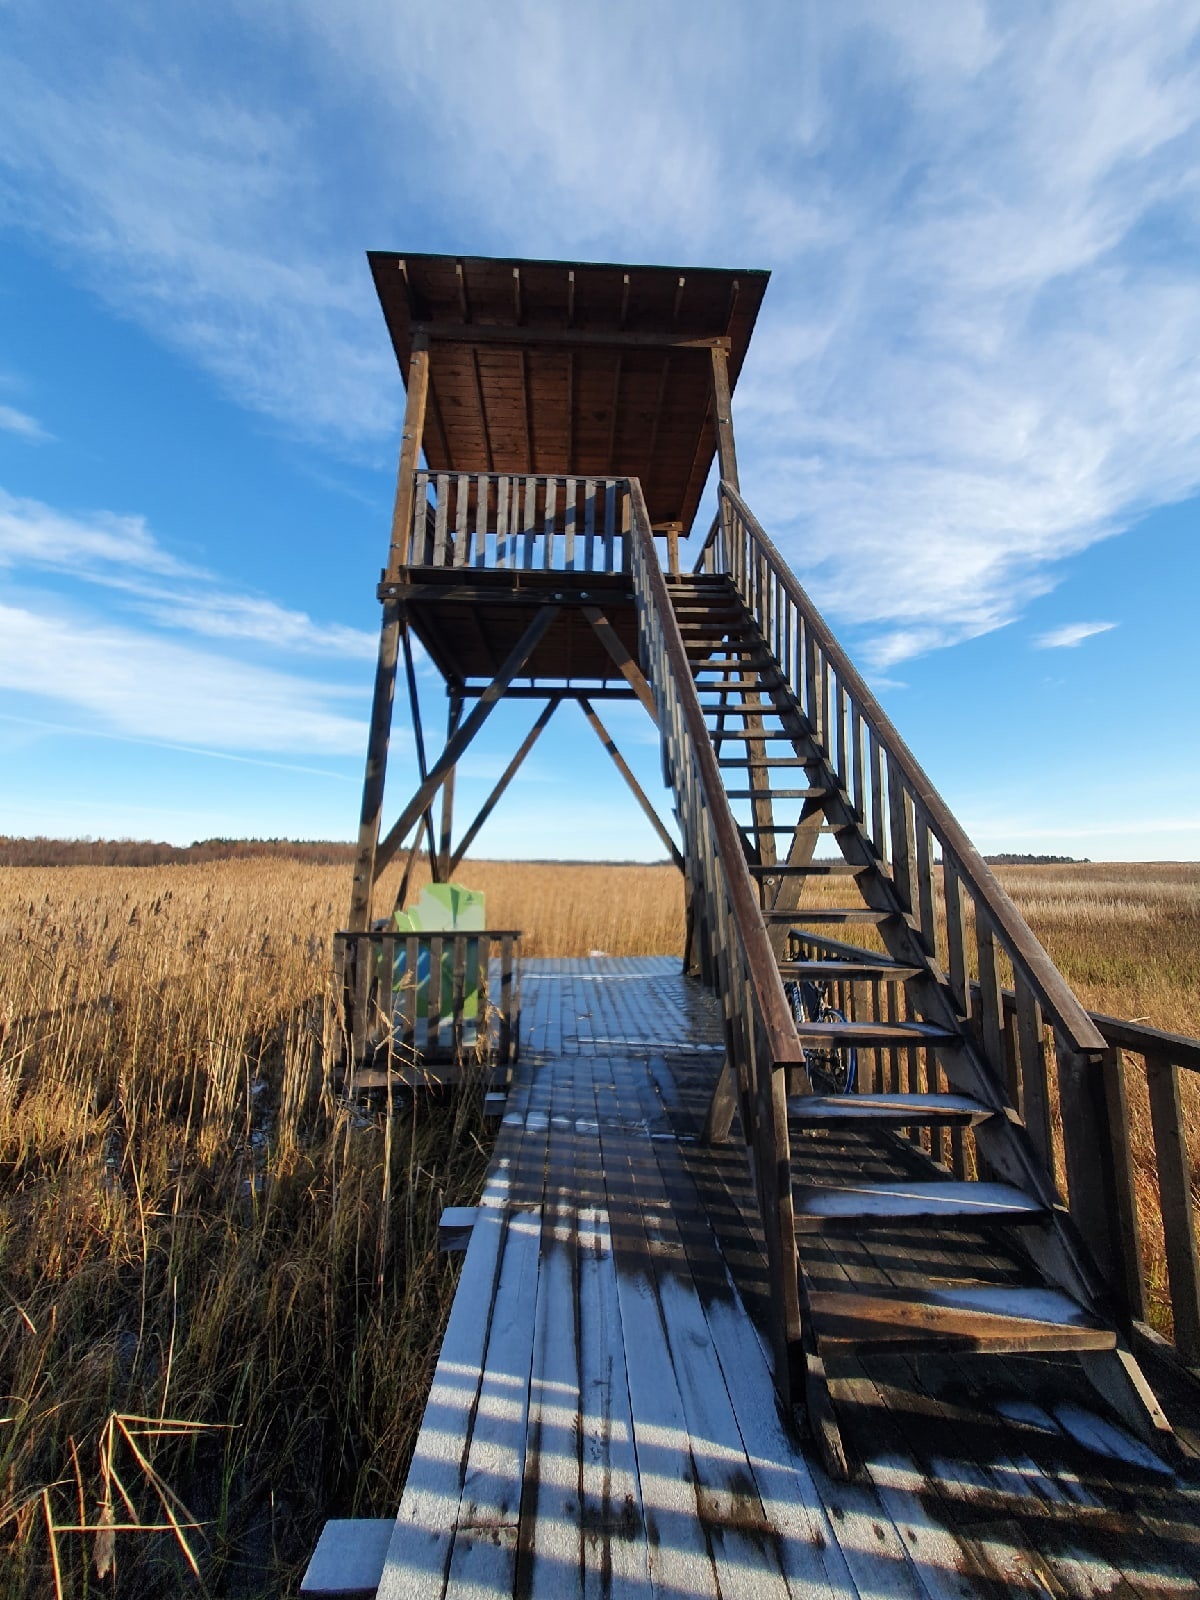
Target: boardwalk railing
[981,933]
[504,522]
[734,949]
[434,996]
[1152,1062]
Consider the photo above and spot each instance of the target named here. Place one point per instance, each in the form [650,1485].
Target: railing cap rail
[1019,941]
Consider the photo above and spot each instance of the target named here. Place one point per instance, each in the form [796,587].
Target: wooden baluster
[589,524]
[1035,1083]
[462,506]
[893,1015]
[412,957]
[925,899]
[991,1000]
[340,972]
[458,991]
[1177,1205]
[507,1054]
[529,522]
[857,780]
[812,703]
[481,517]
[610,523]
[569,525]
[1012,1064]
[1100,1175]
[364,961]
[900,827]
[879,831]
[433,1025]
[841,766]
[549,524]
[387,993]
[960,983]
[441,512]
[416,554]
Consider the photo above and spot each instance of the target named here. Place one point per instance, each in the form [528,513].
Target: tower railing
[735,951]
[487,521]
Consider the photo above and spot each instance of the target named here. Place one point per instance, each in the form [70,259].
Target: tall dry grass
[193,1229]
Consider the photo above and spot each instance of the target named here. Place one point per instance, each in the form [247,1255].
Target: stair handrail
[1079,1033]
[736,955]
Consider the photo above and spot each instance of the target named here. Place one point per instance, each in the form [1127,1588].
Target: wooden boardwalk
[603,1420]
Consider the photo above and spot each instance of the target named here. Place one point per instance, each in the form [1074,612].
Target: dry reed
[193,1229]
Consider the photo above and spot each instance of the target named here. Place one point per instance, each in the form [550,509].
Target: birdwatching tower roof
[571,367]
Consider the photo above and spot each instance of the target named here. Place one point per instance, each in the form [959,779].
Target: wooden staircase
[803,757]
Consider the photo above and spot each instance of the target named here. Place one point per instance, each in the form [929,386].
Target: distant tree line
[1010,858]
[41,852]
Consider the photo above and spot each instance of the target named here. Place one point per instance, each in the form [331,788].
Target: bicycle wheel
[832,1068]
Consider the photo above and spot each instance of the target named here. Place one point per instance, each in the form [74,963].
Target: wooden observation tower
[897,1053]
[546,398]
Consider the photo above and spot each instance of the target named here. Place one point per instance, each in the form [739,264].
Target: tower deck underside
[469,622]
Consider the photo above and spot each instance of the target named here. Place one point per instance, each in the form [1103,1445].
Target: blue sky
[970,415]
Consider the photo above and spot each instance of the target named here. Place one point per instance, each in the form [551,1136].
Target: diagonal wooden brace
[459,741]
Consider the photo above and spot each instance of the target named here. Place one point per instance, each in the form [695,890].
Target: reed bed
[220,1297]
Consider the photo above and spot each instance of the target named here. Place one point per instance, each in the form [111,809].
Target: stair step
[886,1110]
[850,970]
[763,683]
[769,761]
[727,708]
[811,869]
[829,914]
[1004,1320]
[941,1203]
[753,733]
[868,1034]
[777,794]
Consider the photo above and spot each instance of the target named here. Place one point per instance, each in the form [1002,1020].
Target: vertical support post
[376,771]
[452,722]
[723,411]
[414,701]
[380,731]
[410,451]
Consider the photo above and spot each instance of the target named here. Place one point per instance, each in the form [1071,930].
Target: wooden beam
[378,736]
[452,722]
[723,410]
[623,661]
[410,454]
[449,757]
[639,794]
[483,333]
[509,773]
[414,703]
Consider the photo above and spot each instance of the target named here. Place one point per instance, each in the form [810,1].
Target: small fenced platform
[417,1006]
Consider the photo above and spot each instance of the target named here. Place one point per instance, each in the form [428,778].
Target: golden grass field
[218,1282]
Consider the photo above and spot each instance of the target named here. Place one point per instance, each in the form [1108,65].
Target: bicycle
[832,1068]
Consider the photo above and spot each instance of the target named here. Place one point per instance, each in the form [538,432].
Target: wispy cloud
[155,688]
[23,425]
[1070,635]
[974,359]
[121,553]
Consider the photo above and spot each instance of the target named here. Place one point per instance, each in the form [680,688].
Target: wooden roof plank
[584,333]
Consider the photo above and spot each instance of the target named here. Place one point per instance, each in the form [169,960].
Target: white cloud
[973,361]
[1070,635]
[153,688]
[23,425]
[121,553]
